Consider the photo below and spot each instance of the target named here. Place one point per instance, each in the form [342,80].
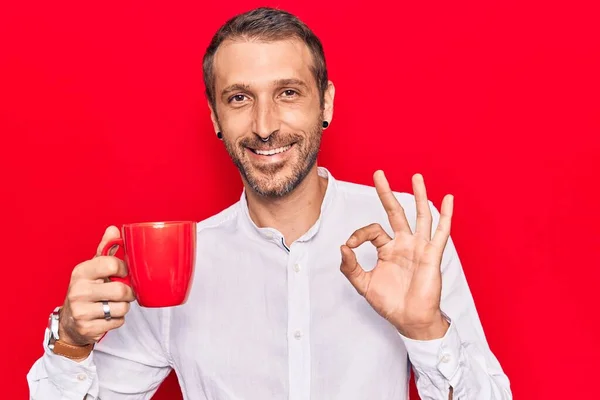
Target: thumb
[111,233]
[358,277]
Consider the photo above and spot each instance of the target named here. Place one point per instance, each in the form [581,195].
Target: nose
[266,120]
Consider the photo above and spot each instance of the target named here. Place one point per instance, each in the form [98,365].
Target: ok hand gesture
[406,284]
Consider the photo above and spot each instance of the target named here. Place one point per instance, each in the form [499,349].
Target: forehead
[258,62]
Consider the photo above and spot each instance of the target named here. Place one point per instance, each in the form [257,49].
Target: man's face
[266,90]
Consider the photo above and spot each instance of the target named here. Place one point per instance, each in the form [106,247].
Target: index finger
[101,267]
[111,233]
[373,233]
[392,206]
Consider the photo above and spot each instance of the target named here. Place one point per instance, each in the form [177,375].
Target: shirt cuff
[74,379]
[438,358]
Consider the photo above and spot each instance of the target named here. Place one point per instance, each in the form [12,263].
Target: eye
[238,98]
[289,93]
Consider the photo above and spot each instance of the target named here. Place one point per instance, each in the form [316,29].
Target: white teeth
[272,152]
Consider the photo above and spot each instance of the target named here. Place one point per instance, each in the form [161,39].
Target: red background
[104,121]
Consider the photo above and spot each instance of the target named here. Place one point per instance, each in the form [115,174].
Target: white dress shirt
[264,321]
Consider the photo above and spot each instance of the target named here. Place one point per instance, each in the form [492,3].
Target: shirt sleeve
[462,359]
[128,363]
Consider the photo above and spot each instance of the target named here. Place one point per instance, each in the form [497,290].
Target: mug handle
[105,251]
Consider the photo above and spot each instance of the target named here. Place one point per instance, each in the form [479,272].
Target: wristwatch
[60,347]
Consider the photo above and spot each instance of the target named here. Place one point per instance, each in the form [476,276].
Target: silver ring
[106,309]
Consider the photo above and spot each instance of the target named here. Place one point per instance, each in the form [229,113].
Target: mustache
[276,140]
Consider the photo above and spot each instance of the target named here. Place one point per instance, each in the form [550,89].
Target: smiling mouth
[272,152]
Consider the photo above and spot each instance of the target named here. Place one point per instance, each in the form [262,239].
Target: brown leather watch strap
[71,351]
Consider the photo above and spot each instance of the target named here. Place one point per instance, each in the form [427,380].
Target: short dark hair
[266,24]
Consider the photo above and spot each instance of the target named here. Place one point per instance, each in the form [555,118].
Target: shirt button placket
[298,326]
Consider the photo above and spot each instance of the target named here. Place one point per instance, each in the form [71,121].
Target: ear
[214,119]
[328,102]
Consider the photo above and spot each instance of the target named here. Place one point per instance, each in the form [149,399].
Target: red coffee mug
[160,258]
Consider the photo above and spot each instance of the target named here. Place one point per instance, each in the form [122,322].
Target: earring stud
[325,124]
[219,135]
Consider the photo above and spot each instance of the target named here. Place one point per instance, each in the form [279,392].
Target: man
[270,315]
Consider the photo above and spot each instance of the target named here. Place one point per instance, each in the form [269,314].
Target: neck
[293,214]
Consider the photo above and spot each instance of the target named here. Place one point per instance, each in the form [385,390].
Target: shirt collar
[272,233]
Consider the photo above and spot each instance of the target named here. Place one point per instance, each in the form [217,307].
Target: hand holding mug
[157,272]
[82,319]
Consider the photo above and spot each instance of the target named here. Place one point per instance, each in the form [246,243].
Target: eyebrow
[279,82]
[235,87]
[291,82]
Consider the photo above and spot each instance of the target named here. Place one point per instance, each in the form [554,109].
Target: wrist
[432,331]
[66,334]
[61,343]
[66,337]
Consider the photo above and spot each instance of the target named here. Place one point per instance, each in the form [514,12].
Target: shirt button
[81,377]
[298,335]
[445,358]
[297,267]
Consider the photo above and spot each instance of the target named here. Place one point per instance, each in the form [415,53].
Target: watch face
[53,324]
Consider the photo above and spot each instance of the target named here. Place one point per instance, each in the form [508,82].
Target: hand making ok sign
[406,284]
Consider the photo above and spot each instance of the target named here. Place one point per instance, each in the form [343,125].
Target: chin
[276,179]
[272,185]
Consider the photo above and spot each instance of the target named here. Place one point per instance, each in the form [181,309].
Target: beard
[276,180]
